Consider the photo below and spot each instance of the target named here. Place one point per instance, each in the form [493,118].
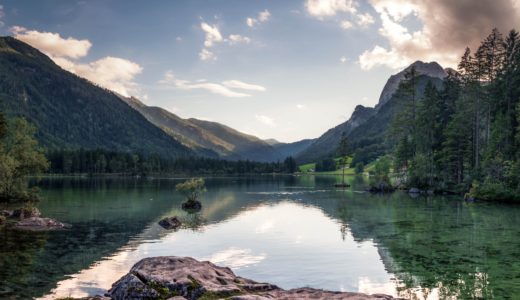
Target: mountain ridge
[215,139]
[70,112]
[366,126]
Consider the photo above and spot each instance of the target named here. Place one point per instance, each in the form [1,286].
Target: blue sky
[292,71]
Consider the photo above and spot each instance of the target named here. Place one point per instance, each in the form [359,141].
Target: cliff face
[431,69]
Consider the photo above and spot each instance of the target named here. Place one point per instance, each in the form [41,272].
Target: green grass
[312,166]
[305,168]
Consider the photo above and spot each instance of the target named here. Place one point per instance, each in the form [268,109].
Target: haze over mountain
[215,139]
[366,127]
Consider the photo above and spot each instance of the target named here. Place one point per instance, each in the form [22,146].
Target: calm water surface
[290,231]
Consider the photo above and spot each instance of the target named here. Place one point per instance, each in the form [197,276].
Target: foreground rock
[170,223]
[36,223]
[186,278]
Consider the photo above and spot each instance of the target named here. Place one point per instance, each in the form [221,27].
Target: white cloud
[205,54]
[447,28]
[224,89]
[301,106]
[262,17]
[243,86]
[266,120]
[322,9]
[52,44]
[365,19]
[343,59]
[381,56]
[113,73]
[346,24]
[251,22]
[237,39]
[327,8]
[212,34]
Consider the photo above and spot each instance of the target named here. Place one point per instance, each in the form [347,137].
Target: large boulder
[36,223]
[169,277]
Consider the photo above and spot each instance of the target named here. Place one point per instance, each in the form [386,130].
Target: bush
[192,188]
[493,191]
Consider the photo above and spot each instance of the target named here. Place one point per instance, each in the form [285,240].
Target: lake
[287,230]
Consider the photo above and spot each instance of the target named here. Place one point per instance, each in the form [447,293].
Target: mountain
[292,149]
[366,128]
[272,142]
[431,69]
[327,143]
[71,112]
[209,138]
[243,146]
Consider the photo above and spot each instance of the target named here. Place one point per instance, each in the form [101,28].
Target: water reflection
[291,231]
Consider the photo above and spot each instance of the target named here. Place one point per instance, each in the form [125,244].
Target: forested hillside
[70,112]
[464,135]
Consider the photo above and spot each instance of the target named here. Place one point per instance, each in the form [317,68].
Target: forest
[102,161]
[464,136]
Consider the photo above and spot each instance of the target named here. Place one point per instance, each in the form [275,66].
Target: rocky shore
[179,278]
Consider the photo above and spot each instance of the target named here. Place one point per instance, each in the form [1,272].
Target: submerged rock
[170,223]
[36,223]
[171,277]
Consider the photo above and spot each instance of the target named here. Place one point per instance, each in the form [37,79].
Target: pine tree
[404,124]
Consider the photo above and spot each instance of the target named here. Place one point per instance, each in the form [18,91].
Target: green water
[290,231]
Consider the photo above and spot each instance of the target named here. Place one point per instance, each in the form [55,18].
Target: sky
[287,70]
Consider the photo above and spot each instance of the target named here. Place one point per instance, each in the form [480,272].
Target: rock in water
[169,276]
[36,223]
[26,212]
[192,205]
[414,191]
[170,223]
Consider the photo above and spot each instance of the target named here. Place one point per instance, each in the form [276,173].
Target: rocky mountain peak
[432,69]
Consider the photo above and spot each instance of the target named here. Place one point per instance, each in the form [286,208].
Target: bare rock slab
[37,223]
[171,277]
